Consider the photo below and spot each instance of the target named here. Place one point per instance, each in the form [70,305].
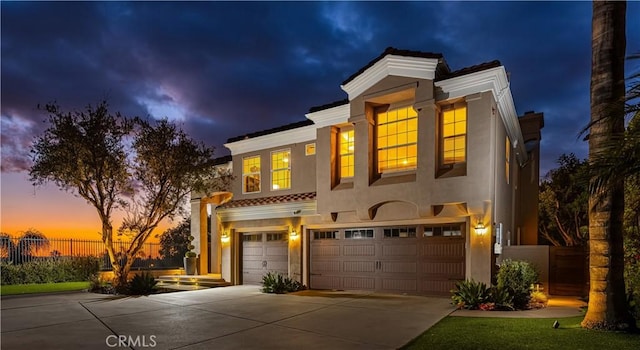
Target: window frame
[342,130]
[288,169]
[377,148]
[455,168]
[308,146]
[258,173]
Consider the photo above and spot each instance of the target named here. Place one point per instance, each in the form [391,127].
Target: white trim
[262,229]
[494,80]
[402,66]
[277,139]
[330,116]
[270,211]
[387,223]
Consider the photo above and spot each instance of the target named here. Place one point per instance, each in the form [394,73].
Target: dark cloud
[223,69]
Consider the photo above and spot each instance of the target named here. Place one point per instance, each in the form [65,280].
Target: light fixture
[293,235]
[225,237]
[480,229]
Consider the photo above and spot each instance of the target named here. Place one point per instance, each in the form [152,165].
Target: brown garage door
[414,259]
[261,253]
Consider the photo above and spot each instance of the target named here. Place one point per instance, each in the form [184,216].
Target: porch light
[225,237]
[480,229]
[293,235]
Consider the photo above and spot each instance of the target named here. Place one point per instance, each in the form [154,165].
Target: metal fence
[20,250]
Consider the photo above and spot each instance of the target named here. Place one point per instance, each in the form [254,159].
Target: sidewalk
[558,307]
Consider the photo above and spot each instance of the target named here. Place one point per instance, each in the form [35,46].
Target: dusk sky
[225,69]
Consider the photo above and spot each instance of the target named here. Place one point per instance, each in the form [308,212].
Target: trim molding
[271,211]
[403,66]
[331,116]
[278,139]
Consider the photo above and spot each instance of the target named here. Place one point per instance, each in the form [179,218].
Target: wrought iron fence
[19,250]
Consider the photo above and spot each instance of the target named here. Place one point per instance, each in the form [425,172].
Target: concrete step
[201,281]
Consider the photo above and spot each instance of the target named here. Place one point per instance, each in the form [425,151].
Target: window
[252,238]
[280,170]
[309,149]
[346,142]
[453,135]
[507,157]
[251,174]
[400,232]
[443,231]
[397,139]
[358,234]
[325,235]
[276,237]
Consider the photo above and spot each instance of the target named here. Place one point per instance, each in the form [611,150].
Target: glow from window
[454,135]
[280,170]
[347,146]
[251,174]
[397,132]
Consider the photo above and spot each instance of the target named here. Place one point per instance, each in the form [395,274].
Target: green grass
[14,289]
[519,333]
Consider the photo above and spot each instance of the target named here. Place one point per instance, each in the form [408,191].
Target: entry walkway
[236,317]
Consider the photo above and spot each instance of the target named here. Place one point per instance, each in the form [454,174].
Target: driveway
[237,317]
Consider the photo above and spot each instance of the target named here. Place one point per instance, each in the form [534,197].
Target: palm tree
[607,307]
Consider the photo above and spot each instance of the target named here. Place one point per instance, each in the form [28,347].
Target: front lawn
[12,289]
[519,333]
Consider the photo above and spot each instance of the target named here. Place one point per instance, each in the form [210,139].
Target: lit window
[280,170]
[347,165]
[397,136]
[251,174]
[507,157]
[454,135]
[309,149]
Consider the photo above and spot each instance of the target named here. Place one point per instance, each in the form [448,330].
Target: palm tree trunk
[607,300]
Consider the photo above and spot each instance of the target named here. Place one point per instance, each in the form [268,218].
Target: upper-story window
[280,170]
[347,146]
[397,139]
[251,174]
[507,158]
[310,149]
[453,135]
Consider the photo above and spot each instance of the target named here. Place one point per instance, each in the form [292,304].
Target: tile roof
[298,197]
[397,52]
[222,160]
[329,105]
[291,126]
[471,69]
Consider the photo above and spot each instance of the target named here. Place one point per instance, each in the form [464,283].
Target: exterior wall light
[480,229]
[293,235]
[225,237]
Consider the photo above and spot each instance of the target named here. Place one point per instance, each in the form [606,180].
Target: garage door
[261,253]
[414,259]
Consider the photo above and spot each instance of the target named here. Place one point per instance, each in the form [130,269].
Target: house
[413,182]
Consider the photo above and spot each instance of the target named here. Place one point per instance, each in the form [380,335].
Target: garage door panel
[359,266]
[437,287]
[320,251]
[276,252]
[400,250]
[326,282]
[447,269]
[366,283]
[325,266]
[360,250]
[399,267]
[260,256]
[397,284]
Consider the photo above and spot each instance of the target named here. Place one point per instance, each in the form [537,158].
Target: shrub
[470,294]
[142,284]
[99,285]
[75,269]
[516,277]
[632,271]
[501,299]
[538,300]
[274,282]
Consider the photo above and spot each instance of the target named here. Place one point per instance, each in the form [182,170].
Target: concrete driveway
[237,317]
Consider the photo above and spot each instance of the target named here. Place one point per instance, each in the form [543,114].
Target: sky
[224,69]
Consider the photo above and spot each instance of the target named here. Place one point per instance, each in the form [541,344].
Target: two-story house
[412,183]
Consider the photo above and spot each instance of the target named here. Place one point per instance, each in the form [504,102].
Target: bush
[99,285]
[632,271]
[538,300]
[274,282]
[142,284]
[470,294]
[501,298]
[516,277]
[76,269]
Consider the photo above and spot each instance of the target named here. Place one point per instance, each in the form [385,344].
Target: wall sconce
[225,237]
[480,229]
[293,235]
